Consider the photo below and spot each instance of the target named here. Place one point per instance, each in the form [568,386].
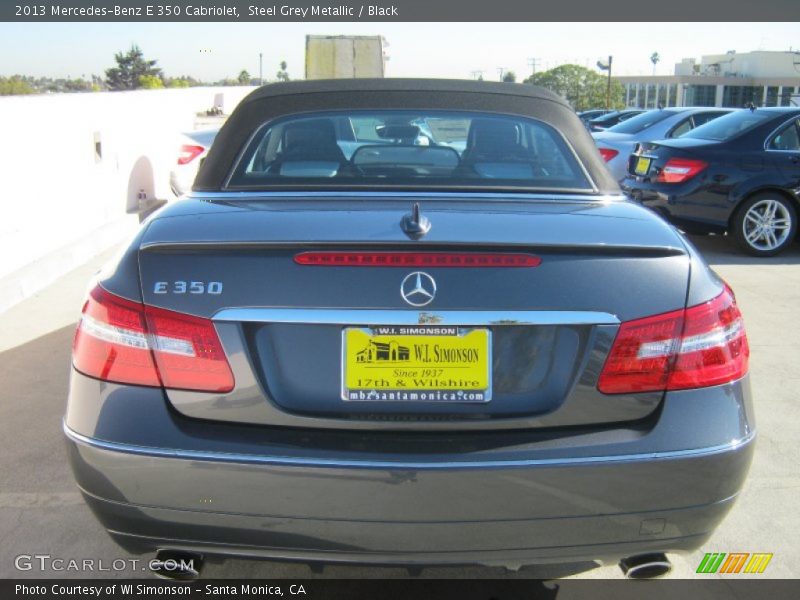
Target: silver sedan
[618,142]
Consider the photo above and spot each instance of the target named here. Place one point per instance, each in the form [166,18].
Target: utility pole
[501,71]
[260,68]
[477,74]
[533,63]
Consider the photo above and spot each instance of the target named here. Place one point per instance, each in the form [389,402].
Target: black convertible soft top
[281,99]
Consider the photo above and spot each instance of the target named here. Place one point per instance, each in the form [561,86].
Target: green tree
[181,81]
[77,85]
[283,74]
[509,77]
[150,82]
[244,77]
[15,85]
[582,87]
[177,82]
[131,68]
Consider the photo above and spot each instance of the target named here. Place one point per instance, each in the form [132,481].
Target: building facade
[762,78]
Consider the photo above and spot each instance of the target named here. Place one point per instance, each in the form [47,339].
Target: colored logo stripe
[758,562]
[734,562]
[714,562]
[711,562]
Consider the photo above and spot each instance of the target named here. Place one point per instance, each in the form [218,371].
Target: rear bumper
[157,479]
[501,513]
[509,544]
[691,202]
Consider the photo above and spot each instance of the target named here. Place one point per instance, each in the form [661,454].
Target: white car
[193,148]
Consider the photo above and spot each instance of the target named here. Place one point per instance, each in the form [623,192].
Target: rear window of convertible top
[408,149]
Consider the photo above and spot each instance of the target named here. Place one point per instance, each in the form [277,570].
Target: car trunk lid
[649,158]
[542,330]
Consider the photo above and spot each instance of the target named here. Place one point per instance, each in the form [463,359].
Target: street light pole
[260,68]
[607,67]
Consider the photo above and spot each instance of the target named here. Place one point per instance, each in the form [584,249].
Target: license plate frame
[478,382]
[642,166]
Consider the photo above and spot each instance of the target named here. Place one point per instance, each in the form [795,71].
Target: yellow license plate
[642,165]
[416,364]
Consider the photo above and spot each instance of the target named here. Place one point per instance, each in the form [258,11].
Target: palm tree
[283,74]
[654,58]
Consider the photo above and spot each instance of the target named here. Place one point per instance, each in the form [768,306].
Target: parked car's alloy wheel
[765,224]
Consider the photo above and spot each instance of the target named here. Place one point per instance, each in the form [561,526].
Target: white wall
[60,205]
[759,64]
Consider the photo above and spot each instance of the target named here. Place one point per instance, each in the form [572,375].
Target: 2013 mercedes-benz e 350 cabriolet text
[409,322]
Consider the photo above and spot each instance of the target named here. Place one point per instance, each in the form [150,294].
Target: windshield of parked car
[729,126]
[641,122]
[420,149]
[607,116]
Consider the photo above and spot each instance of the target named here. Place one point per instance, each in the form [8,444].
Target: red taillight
[714,346]
[701,346]
[111,341]
[640,358]
[188,153]
[678,170]
[416,259]
[608,153]
[188,352]
[126,342]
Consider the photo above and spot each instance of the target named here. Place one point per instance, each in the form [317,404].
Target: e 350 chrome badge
[418,288]
[188,287]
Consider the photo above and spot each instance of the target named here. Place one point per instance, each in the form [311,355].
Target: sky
[213,51]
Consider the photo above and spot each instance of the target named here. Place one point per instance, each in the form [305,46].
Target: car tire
[765,224]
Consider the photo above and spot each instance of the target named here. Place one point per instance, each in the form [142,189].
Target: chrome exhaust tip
[645,566]
[176,565]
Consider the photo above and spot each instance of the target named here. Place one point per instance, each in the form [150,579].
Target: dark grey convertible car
[409,322]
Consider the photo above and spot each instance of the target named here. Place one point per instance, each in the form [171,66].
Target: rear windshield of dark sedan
[729,126]
[408,149]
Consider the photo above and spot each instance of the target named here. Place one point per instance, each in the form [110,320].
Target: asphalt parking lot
[41,511]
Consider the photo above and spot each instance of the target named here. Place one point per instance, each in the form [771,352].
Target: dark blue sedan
[739,173]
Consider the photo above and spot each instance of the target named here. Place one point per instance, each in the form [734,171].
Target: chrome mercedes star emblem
[418,288]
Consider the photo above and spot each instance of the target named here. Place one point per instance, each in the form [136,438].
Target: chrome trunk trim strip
[345,316]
